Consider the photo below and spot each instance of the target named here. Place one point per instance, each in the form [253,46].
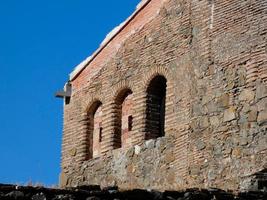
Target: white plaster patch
[150,143]
[137,149]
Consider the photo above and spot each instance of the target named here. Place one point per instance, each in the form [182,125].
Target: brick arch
[93,129]
[169,118]
[155,107]
[120,87]
[110,139]
[90,99]
[91,104]
[120,95]
[92,108]
[123,111]
[157,71]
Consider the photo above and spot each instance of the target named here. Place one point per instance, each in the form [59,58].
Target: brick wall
[97,132]
[126,121]
[213,55]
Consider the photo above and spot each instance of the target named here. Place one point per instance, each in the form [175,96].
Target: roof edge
[110,36]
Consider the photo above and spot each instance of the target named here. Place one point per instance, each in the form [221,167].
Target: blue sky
[40,44]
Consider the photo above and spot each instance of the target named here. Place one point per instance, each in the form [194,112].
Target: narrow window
[97,133]
[123,123]
[94,131]
[100,134]
[155,107]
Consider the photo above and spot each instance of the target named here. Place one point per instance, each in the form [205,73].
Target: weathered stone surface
[137,149]
[229,114]
[214,121]
[262,104]
[223,101]
[252,116]
[150,144]
[63,179]
[247,95]
[262,117]
[200,145]
[204,122]
[261,91]
[237,152]
[73,152]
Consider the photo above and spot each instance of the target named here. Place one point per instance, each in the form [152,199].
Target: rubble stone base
[12,192]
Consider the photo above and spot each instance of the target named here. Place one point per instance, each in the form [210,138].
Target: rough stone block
[253,114]
[262,117]
[229,114]
[261,91]
[223,101]
[247,95]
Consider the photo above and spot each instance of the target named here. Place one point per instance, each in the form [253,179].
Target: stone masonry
[174,98]
[15,192]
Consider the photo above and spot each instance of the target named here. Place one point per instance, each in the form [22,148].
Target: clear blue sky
[40,44]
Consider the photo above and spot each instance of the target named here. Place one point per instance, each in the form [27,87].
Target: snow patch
[109,36]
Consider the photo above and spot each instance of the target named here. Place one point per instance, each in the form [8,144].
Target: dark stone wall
[12,192]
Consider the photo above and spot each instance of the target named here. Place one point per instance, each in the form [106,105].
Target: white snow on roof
[84,63]
[108,38]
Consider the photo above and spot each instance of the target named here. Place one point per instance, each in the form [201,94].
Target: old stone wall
[213,55]
[15,192]
[149,165]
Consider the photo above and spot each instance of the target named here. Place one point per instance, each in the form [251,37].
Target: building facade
[175,97]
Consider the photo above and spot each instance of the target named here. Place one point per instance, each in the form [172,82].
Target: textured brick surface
[97,132]
[126,121]
[213,55]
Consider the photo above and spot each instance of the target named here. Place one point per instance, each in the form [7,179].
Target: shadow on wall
[255,182]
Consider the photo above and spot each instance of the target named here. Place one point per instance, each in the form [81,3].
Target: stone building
[175,97]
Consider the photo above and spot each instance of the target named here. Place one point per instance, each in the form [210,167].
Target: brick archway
[155,107]
[154,72]
[123,118]
[94,130]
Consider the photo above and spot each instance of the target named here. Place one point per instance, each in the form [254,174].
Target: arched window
[124,119]
[95,130]
[155,107]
